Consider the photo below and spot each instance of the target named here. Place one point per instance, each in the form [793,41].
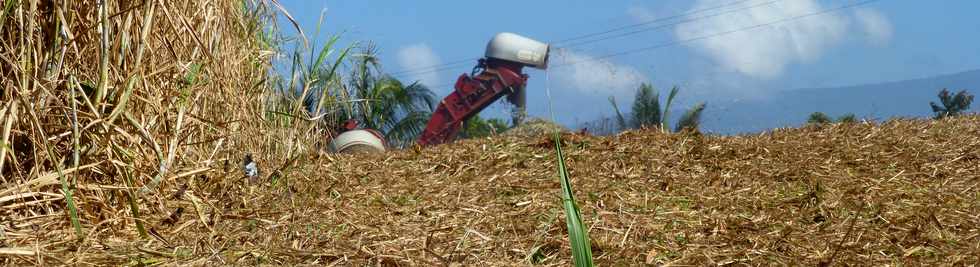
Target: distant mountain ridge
[881,101]
[790,108]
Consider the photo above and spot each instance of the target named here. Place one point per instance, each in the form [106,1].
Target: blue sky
[887,40]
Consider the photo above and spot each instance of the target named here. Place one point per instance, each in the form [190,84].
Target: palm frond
[408,128]
[619,115]
[665,125]
[691,119]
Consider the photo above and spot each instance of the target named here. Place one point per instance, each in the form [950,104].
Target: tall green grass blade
[123,100]
[144,33]
[339,61]
[296,66]
[130,189]
[8,121]
[103,55]
[7,7]
[619,115]
[75,133]
[331,74]
[578,233]
[319,24]
[124,40]
[325,52]
[665,119]
[69,199]
[192,74]
[72,209]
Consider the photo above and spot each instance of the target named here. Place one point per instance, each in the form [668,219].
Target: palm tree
[646,108]
[822,118]
[620,120]
[847,118]
[647,113]
[691,119]
[952,105]
[819,118]
[381,102]
[477,127]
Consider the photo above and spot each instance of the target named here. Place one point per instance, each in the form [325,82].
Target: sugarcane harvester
[498,74]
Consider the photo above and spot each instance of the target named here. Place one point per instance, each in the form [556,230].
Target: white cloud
[765,52]
[420,57]
[592,76]
[875,24]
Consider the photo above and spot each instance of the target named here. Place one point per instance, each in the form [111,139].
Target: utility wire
[715,35]
[648,22]
[663,26]
[678,42]
[449,65]
[432,68]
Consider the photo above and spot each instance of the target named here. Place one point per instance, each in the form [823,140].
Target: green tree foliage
[691,119]
[666,114]
[823,118]
[647,112]
[819,118]
[951,105]
[646,108]
[620,119]
[381,102]
[847,118]
[477,127]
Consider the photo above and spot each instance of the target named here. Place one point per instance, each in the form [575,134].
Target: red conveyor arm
[472,95]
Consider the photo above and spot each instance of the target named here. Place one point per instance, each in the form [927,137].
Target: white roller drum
[357,141]
[515,48]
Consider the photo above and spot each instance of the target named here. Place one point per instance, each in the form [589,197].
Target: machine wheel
[357,141]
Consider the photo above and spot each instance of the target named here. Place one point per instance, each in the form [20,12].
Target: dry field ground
[145,109]
[903,192]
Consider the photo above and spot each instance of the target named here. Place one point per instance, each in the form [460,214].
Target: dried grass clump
[535,127]
[903,192]
[114,111]
[149,144]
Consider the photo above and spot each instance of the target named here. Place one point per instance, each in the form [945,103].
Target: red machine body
[496,78]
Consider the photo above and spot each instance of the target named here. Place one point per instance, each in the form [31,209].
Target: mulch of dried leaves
[902,192]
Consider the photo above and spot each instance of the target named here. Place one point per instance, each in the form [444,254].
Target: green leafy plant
[951,105]
[647,111]
[691,119]
[378,101]
[664,125]
[311,82]
[620,119]
[646,107]
[819,118]
[823,118]
[477,127]
[847,118]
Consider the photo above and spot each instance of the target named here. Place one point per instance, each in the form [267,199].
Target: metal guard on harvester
[498,74]
[496,78]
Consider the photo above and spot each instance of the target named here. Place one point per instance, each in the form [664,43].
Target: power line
[662,26]
[584,36]
[450,65]
[439,69]
[715,35]
[668,44]
[435,67]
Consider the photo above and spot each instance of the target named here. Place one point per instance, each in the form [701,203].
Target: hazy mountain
[790,108]
[881,101]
